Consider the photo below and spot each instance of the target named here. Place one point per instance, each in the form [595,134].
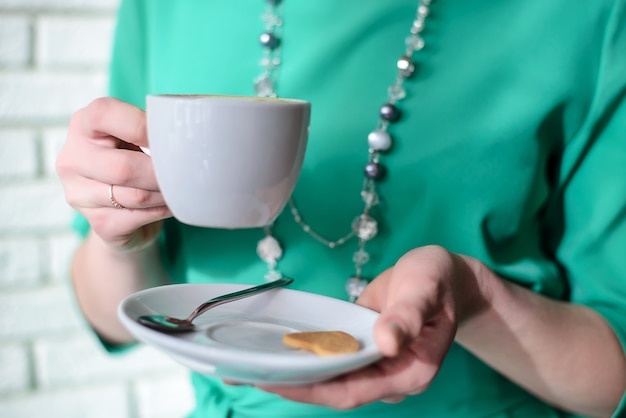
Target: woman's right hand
[102,149]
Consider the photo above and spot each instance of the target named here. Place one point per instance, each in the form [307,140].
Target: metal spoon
[169,324]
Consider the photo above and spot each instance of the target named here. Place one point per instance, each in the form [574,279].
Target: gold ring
[114,202]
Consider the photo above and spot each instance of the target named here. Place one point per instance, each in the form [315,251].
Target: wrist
[124,255]
[491,294]
[142,263]
[142,240]
[477,284]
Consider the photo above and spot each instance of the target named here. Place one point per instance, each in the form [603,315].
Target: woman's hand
[102,151]
[564,353]
[421,301]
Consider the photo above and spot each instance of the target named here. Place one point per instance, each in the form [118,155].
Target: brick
[30,97]
[53,140]
[59,5]
[20,262]
[105,401]
[14,369]
[18,153]
[39,312]
[152,404]
[34,207]
[66,41]
[81,360]
[15,41]
[61,249]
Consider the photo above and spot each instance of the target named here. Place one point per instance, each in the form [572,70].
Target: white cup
[226,161]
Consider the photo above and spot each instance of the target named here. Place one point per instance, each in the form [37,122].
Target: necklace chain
[364,226]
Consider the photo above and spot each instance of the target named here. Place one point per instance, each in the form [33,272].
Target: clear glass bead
[414,42]
[268,63]
[269,249]
[418,26]
[355,286]
[360,257]
[423,10]
[272,275]
[365,227]
[396,93]
[271,20]
[370,198]
[264,86]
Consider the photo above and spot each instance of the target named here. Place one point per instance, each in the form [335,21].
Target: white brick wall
[53,60]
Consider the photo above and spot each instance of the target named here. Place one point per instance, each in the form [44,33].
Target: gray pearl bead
[374,171]
[389,112]
[269,40]
[379,140]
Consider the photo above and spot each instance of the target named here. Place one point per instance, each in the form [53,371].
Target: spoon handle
[229,297]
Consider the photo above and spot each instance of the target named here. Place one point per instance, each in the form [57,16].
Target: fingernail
[393,343]
[396,330]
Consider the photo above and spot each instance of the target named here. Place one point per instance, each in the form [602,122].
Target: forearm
[103,276]
[564,353]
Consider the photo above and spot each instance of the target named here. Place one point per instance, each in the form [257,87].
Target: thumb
[397,327]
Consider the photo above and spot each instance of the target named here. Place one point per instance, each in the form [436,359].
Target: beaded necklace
[364,227]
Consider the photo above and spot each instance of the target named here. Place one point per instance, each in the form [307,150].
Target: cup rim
[200,96]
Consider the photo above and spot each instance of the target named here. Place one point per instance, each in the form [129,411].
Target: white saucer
[242,340]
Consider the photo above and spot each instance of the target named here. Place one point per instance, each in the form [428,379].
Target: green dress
[511,149]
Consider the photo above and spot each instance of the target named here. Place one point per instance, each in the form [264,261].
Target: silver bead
[406,66]
[269,40]
[379,140]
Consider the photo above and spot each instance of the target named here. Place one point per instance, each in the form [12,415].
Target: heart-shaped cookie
[323,343]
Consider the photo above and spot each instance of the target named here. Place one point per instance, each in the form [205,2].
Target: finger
[393,399]
[390,331]
[374,296]
[233,383]
[409,306]
[389,336]
[131,198]
[346,392]
[126,227]
[417,293]
[387,379]
[108,117]
[120,167]
[81,192]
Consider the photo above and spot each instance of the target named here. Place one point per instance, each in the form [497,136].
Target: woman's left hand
[421,301]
